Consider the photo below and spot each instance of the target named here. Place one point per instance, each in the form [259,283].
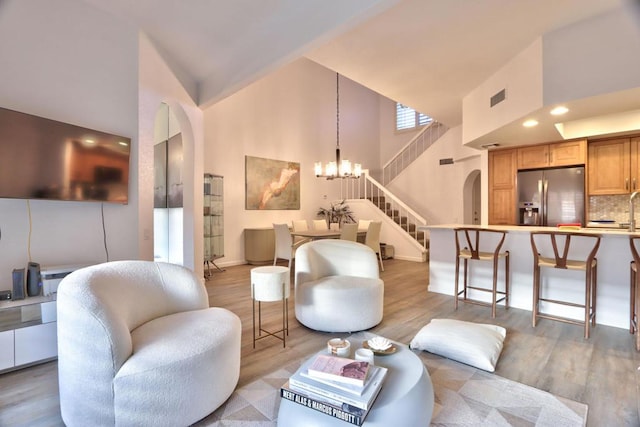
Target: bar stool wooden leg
[536,295]
[632,297]
[507,282]
[636,284]
[466,266]
[634,302]
[455,291]
[587,304]
[594,298]
[634,290]
[495,288]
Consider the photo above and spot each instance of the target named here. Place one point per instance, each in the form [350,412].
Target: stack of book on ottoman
[337,386]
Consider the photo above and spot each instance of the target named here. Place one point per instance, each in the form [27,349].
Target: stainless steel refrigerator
[551,196]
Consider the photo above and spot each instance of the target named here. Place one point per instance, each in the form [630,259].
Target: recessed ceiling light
[560,110]
[89,141]
[530,123]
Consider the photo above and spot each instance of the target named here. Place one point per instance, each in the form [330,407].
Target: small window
[408,118]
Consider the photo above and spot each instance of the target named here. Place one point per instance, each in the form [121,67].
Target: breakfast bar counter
[614,256]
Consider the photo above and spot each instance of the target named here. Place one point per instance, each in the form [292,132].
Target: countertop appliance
[551,196]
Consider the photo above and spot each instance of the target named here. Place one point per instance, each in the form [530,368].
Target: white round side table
[270,284]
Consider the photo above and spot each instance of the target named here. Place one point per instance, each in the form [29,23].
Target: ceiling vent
[498,97]
[490,146]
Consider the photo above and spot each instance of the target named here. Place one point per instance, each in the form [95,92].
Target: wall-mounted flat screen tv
[46,159]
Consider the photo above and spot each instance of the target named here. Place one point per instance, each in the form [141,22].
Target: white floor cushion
[474,344]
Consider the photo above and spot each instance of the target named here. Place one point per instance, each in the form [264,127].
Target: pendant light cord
[337,111]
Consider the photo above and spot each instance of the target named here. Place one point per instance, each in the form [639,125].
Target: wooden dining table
[322,234]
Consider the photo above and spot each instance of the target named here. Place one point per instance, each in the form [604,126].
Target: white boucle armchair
[338,286]
[138,345]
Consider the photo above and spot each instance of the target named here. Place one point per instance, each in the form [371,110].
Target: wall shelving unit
[213,221]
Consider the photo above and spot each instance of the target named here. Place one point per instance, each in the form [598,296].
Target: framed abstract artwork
[271,184]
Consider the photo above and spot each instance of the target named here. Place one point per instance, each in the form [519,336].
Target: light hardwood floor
[601,371]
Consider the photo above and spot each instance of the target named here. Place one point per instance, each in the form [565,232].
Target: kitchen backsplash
[612,207]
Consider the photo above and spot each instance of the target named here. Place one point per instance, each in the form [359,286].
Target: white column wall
[159,84]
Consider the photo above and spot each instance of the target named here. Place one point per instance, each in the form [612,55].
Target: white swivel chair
[349,232]
[372,239]
[285,247]
[320,224]
[138,345]
[337,286]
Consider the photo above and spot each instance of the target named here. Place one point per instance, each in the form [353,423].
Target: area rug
[464,396]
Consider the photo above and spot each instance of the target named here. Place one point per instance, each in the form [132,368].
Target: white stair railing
[368,188]
[410,152]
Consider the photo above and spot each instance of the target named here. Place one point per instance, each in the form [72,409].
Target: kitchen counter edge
[528,229]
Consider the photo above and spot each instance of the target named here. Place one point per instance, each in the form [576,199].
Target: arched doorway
[472,199]
[168,205]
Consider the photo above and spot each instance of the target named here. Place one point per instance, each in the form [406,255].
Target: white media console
[28,332]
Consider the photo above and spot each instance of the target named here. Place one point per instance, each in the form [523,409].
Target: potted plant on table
[337,213]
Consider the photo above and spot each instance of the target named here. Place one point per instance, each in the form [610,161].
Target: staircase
[402,220]
[406,218]
[368,188]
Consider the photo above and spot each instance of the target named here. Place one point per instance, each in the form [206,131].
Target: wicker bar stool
[634,282]
[479,244]
[545,257]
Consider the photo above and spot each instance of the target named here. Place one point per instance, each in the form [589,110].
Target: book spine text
[319,406]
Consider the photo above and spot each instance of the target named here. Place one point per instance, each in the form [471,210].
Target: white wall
[69,62]
[578,64]
[522,79]
[434,190]
[289,115]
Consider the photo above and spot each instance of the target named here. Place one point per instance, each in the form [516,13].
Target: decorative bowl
[379,343]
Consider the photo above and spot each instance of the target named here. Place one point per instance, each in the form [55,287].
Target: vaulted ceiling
[427,54]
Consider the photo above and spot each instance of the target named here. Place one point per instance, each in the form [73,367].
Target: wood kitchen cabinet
[567,153]
[635,164]
[502,186]
[614,166]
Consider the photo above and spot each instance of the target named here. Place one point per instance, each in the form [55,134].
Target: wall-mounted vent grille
[489,146]
[498,97]
[448,161]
